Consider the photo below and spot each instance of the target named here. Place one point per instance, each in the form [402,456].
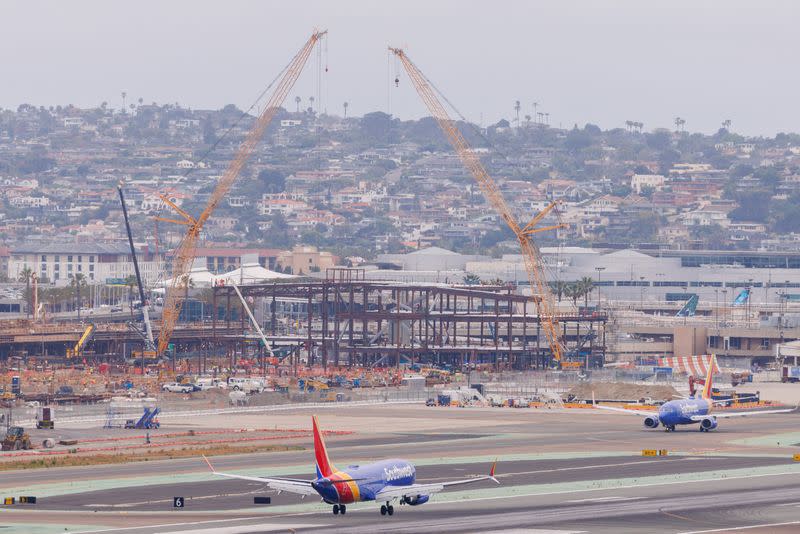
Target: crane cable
[552,275]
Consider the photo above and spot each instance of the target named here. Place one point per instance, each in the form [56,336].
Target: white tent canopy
[252,273]
[199,276]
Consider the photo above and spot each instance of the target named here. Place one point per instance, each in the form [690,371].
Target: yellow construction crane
[545,303]
[185,253]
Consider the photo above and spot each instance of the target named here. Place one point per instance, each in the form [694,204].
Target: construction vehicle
[186,251]
[45,418]
[16,439]
[147,421]
[543,297]
[82,341]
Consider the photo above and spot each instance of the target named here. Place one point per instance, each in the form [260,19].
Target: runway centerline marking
[605,499]
[599,466]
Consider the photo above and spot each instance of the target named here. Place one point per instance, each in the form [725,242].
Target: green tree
[586,285]
[472,279]
[26,275]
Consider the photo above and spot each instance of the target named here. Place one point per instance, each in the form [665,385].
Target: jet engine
[416,499]
[709,423]
[651,421]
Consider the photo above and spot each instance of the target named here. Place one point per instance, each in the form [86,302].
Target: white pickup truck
[174,387]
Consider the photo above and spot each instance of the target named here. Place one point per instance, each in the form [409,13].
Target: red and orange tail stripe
[346,487]
[707,387]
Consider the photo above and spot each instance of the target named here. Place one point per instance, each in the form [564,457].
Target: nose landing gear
[339,509]
[387,509]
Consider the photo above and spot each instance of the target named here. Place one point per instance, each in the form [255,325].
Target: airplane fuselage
[680,412]
[362,482]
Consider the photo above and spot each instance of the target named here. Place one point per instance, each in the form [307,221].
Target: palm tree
[345,109]
[186,282]
[124,96]
[535,105]
[311,106]
[472,279]
[26,275]
[517,106]
[587,284]
[726,124]
[573,291]
[561,288]
[527,120]
[78,281]
[297,101]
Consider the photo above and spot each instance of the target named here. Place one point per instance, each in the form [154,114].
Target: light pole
[641,293]
[599,270]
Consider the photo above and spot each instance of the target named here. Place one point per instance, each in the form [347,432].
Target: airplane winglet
[209,464]
[491,472]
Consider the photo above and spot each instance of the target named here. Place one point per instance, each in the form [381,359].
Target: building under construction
[340,321]
[369,323]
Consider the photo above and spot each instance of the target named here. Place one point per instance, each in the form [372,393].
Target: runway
[560,471]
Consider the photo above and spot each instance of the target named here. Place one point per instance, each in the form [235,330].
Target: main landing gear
[339,509]
[387,509]
[669,428]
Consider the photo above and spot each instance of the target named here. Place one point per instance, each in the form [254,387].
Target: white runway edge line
[223,411]
[749,527]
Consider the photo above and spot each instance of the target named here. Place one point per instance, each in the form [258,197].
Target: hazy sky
[593,61]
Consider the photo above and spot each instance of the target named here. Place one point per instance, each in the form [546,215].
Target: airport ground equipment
[543,297]
[16,439]
[45,418]
[185,253]
[147,421]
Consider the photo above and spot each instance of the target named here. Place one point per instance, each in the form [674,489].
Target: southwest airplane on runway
[383,482]
[689,411]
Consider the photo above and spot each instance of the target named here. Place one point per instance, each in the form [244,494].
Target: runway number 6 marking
[177,502]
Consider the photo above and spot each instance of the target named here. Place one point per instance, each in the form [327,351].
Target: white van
[248,385]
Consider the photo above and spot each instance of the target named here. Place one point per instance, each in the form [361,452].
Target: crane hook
[397,81]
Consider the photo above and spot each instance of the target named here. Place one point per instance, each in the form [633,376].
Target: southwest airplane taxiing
[689,411]
[383,482]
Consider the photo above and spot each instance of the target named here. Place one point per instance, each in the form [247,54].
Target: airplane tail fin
[324,466]
[707,387]
[491,472]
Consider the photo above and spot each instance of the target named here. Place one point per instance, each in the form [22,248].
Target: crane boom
[145,311]
[185,253]
[533,262]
